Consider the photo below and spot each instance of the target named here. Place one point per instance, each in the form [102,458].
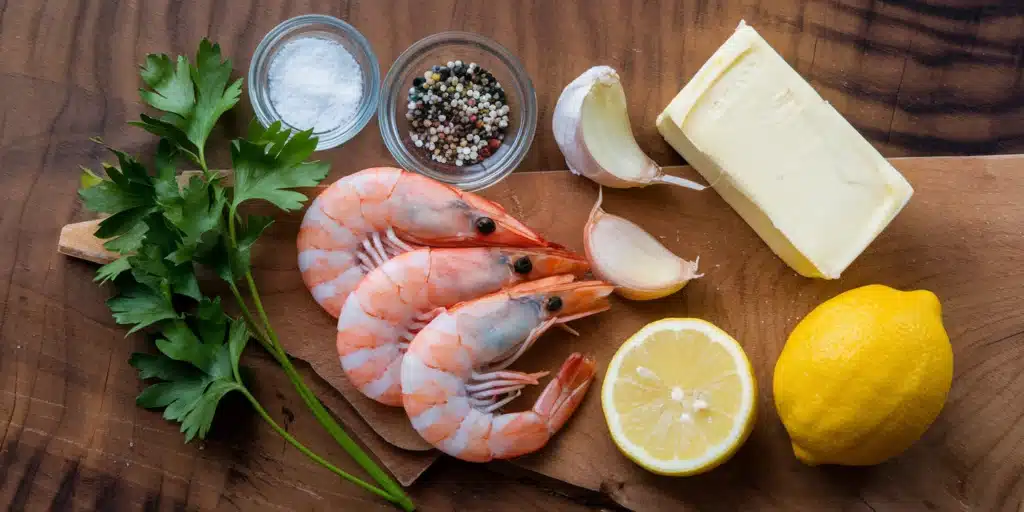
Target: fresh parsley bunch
[164,224]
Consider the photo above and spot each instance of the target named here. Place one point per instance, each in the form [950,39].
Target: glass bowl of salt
[315,72]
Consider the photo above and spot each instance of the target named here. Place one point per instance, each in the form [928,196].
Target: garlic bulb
[591,126]
[639,266]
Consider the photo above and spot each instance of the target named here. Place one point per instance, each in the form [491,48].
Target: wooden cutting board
[960,236]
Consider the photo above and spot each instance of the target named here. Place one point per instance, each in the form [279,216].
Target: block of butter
[797,172]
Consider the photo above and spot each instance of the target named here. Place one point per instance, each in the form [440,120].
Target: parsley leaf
[192,97]
[151,268]
[223,260]
[250,231]
[130,240]
[238,338]
[165,184]
[268,165]
[167,129]
[210,320]
[183,281]
[123,222]
[127,193]
[180,344]
[127,186]
[199,215]
[142,306]
[89,178]
[197,368]
[111,270]
[152,366]
[179,393]
[214,95]
[171,83]
[199,419]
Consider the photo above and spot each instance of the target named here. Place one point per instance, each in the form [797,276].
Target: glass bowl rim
[387,115]
[371,72]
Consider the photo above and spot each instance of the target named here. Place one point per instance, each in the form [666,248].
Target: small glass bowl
[439,49]
[325,27]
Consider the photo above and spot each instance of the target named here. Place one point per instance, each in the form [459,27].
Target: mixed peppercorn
[458,113]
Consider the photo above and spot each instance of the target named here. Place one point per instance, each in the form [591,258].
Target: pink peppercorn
[493,144]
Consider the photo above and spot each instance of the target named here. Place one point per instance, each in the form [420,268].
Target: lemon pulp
[679,396]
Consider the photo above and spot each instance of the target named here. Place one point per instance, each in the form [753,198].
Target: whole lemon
[863,375]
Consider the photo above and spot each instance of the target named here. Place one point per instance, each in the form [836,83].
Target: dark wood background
[917,77]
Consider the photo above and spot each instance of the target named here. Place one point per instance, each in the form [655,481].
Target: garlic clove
[604,125]
[591,127]
[639,266]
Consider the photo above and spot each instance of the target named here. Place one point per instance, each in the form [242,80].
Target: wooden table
[916,77]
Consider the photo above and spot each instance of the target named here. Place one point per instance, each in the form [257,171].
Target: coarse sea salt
[314,82]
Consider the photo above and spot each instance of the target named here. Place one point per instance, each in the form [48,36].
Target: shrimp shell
[454,376]
[365,219]
[395,300]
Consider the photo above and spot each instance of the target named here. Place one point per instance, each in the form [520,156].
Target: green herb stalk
[163,230]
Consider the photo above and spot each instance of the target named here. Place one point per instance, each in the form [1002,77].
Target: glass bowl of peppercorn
[458,107]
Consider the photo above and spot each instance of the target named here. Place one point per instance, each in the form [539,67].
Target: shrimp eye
[486,225]
[523,265]
[553,304]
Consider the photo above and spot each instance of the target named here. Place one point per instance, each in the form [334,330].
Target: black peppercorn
[461,103]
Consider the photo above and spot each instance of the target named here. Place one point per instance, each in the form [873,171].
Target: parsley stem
[256,328]
[320,412]
[232,213]
[268,338]
[307,396]
[309,453]
[201,160]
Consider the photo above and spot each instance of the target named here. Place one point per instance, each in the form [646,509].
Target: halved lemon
[679,396]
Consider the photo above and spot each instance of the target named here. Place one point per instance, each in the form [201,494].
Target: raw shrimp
[398,298]
[454,377]
[364,219]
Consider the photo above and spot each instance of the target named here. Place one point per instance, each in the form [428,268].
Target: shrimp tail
[517,434]
[566,390]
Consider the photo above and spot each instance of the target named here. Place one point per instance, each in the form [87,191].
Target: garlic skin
[625,255]
[591,127]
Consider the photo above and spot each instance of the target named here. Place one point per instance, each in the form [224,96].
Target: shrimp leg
[492,404]
[489,386]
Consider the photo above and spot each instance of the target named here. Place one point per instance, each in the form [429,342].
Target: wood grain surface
[916,77]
